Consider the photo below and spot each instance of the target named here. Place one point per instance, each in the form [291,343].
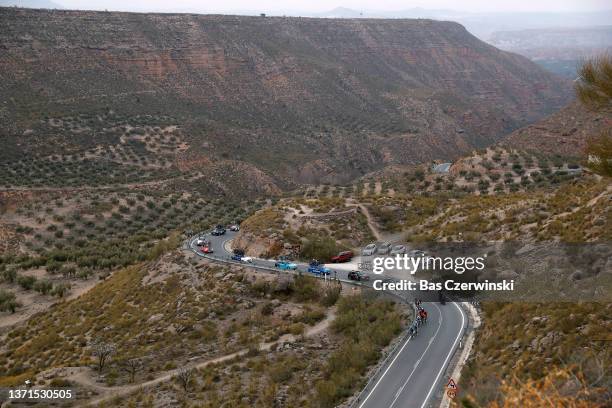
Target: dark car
[358,276]
[219,230]
[238,251]
[236,257]
[344,256]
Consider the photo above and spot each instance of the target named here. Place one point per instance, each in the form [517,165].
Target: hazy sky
[325,5]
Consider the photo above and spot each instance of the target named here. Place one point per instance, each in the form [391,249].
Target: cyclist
[423,315]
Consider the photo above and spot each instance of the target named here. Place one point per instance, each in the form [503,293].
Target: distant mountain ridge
[561,49]
[300,99]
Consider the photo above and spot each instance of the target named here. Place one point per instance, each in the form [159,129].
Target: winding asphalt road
[415,374]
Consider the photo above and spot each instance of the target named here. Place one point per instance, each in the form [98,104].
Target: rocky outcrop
[256,245]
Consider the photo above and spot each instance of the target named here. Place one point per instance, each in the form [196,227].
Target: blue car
[285,266]
[237,257]
[318,269]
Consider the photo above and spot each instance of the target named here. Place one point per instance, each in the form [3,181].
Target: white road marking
[450,353]
[400,390]
[422,355]
[382,376]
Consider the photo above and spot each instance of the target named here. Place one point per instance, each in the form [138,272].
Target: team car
[241,258]
[358,276]
[343,256]
[417,253]
[398,250]
[204,245]
[384,248]
[285,265]
[369,250]
[318,268]
[206,249]
[219,230]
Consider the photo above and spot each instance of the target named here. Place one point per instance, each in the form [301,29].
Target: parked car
[383,248]
[234,227]
[285,266]
[318,268]
[202,241]
[369,250]
[388,279]
[398,250]
[241,258]
[417,253]
[321,270]
[219,230]
[358,276]
[343,256]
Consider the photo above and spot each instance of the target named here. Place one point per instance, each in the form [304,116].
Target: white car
[201,241]
[398,250]
[384,248]
[370,249]
[234,227]
[246,259]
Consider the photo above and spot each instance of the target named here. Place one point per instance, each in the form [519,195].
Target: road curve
[415,372]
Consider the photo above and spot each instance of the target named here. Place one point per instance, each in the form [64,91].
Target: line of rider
[420,319]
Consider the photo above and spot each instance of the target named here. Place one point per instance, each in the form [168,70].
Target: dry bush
[560,388]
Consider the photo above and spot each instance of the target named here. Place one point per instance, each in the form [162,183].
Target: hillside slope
[564,133]
[302,99]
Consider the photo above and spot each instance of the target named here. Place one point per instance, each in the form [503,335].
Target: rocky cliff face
[304,100]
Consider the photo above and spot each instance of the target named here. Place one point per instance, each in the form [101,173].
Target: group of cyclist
[420,319]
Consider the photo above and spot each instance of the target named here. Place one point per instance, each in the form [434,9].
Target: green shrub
[26,282]
[319,247]
[43,286]
[366,326]
[305,288]
[8,301]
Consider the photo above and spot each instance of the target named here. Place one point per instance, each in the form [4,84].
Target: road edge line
[450,353]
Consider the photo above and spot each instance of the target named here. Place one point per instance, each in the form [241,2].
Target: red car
[344,256]
[207,249]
